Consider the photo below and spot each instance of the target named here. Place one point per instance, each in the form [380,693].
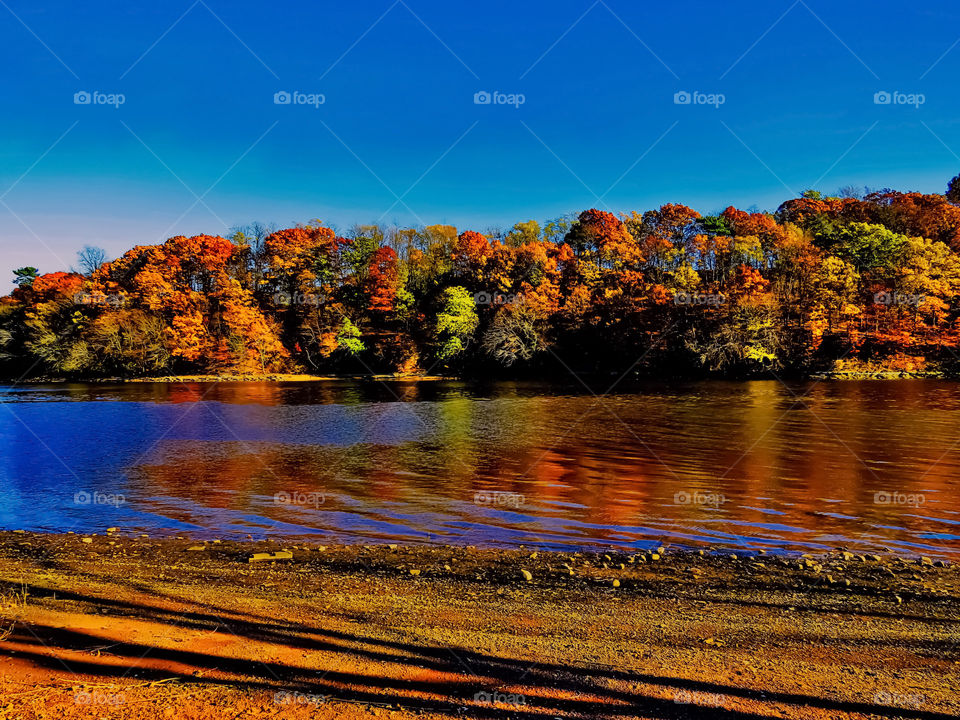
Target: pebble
[414,572]
[86,540]
[615,583]
[194,548]
[527,575]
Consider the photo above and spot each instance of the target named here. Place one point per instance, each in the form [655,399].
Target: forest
[859,280]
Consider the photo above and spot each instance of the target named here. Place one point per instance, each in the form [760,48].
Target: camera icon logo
[883,298]
[482,298]
[482,98]
[682,498]
[281,98]
[282,498]
[82,498]
[81,98]
[682,98]
[881,98]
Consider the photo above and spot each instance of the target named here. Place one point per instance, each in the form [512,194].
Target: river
[798,466]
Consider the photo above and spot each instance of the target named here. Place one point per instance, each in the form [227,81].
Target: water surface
[801,466]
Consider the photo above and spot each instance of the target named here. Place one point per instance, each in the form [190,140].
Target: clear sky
[199,143]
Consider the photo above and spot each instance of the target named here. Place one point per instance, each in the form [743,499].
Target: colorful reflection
[865,465]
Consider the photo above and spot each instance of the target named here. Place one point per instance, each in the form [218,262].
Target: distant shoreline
[838,375]
[207,378]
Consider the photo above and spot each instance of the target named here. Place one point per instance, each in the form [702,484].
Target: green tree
[348,339]
[523,233]
[871,248]
[456,322]
[25,276]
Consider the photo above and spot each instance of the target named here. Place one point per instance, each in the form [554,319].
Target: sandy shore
[143,628]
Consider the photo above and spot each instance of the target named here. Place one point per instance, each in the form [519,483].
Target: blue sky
[599,125]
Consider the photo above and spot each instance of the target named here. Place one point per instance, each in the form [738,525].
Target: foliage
[868,277]
[456,322]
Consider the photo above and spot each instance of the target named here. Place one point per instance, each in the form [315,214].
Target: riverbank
[123,626]
[882,375]
[818,376]
[228,377]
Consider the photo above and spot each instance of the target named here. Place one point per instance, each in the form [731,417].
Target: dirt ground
[136,627]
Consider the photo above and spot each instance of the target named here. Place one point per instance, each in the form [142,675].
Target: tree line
[856,280]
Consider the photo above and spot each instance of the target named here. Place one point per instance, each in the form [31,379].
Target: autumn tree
[856,277]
